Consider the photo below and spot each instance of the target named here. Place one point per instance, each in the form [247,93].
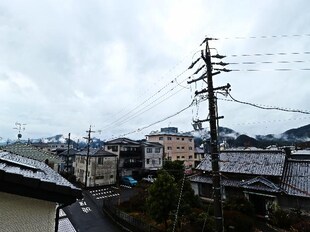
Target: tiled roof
[72,151]
[30,151]
[95,152]
[21,175]
[263,184]
[122,141]
[296,178]
[264,163]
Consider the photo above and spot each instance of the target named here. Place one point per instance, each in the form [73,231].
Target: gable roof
[96,152]
[122,141]
[31,152]
[296,178]
[264,163]
[72,151]
[28,177]
[260,183]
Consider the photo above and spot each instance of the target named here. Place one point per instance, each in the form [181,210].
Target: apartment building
[177,145]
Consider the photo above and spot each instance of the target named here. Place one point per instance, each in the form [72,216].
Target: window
[183,157]
[182,139]
[147,161]
[169,138]
[111,176]
[159,161]
[100,160]
[169,148]
[153,162]
[190,140]
[178,157]
[178,138]
[161,138]
[113,148]
[195,155]
[178,148]
[190,148]
[183,148]
[149,150]
[190,157]
[157,150]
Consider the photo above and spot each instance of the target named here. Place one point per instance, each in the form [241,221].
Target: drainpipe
[57,215]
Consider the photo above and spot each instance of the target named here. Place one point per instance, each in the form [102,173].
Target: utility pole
[216,179]
[68,154]
[87,156]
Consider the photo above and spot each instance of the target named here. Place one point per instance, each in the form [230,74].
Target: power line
[276,69]
[265,36]
[270,54]
[269,62]
[264,106]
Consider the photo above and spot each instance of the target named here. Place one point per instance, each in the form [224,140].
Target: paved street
[86,214]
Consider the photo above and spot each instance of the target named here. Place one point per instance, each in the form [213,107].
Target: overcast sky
[69,64]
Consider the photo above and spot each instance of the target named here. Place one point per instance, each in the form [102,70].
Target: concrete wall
[23,214]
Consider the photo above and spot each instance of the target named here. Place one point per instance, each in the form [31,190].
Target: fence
[128,222]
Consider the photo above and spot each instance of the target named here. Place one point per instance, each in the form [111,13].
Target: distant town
[84,188]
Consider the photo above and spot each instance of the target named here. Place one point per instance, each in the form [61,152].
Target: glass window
[157,150]
[161,138]
[149,150]
[147,161]
[169,148]
[190,148]
[169,138]
[100,160]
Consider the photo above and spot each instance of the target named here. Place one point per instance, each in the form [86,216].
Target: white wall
[24,214]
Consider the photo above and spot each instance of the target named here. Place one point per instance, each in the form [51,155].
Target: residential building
[102,167]
[264,177]
[177,145]
[31,194]
[152,156]
[32,152]
[67,158]
[129,154]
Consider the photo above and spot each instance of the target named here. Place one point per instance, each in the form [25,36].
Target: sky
[122,66]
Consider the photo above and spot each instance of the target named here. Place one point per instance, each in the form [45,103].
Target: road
[86,214]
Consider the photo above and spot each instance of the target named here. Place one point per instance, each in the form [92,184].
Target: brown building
[177,145]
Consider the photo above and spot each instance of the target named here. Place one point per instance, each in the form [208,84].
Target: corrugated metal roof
[296,178]
[264,163]
[32,152]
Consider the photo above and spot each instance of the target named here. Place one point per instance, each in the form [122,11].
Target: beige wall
[24,214]
[178,148]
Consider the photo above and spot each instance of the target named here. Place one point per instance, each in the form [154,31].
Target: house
[262,176]
[101,170]
[67,158]
[129,154]
[296,181]
[33,152]
[177,145]
[152,156]
[254,174]
[32,194]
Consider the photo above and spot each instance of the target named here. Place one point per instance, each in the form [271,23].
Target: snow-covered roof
[296,178]
[262,162]
[95,152]
[25,175]
[32,152]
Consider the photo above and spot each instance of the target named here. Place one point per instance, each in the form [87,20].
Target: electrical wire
[270,54]
[265,107]
[266,36]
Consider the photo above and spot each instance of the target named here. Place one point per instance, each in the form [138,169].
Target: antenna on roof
[19,127]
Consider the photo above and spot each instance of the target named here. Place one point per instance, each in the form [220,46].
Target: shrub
[238,221]
[240,204]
